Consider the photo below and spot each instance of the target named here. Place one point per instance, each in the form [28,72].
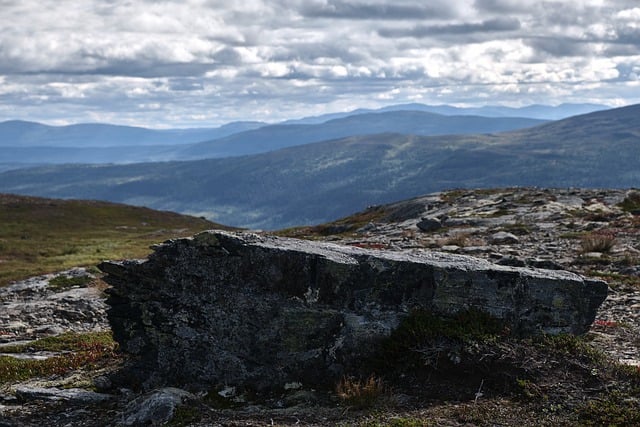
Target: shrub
[598,242]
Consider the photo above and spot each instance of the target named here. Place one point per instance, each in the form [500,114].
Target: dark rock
[512,261]
[544,263]
[404,211]
[260,312]
[428,224]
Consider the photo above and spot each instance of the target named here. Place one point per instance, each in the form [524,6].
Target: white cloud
[219,61]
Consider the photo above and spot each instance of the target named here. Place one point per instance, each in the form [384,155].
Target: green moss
[66,342]
[64,282]
[615,409]
[570,346]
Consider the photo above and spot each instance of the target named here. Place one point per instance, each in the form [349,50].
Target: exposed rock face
[257,311]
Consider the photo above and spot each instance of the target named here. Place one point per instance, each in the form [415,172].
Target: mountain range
[317,182]
[26,144]
[536,111]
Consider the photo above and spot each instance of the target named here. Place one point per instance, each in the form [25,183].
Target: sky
[203,63]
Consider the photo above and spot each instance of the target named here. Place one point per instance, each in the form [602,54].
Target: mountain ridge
[235,139]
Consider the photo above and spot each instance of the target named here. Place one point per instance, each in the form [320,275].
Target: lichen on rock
[256,311]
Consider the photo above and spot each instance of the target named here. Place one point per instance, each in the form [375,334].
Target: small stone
[155,408]
[594,255]
[428,224]
[503,238]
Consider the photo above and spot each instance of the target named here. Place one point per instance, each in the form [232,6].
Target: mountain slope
[269,138]
[317,182]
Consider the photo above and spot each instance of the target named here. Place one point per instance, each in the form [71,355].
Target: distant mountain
[541,112]
[35,144]
[318,182]
[16,133]
[274,137]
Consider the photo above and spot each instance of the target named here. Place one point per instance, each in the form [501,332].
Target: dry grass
[602,242]
[360,393]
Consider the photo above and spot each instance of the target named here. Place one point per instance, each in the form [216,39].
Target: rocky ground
[593,232]
[583,231]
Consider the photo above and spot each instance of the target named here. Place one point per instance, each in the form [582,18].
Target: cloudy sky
[185,63]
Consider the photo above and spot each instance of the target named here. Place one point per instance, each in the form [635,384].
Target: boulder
[248,310]
[428,224]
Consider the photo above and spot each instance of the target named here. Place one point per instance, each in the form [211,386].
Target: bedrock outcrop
[249,310]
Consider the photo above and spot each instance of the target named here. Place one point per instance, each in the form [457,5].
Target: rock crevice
[260,311]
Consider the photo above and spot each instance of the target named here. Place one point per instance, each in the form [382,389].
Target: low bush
[598,242]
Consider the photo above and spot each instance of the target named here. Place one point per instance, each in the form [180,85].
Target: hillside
[44,235]
[318,182]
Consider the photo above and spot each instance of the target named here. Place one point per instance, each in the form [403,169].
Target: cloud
[206,62]
[338,9]
[419,31]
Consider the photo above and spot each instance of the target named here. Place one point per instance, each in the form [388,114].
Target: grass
[87,350]
[359,393]
[602,242]
[65,342]
[615,409]
[39,236]
[62,282]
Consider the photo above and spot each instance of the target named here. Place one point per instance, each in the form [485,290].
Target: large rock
[261,311]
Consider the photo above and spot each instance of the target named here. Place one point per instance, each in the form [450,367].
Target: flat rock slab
[71,394]
[261,311]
